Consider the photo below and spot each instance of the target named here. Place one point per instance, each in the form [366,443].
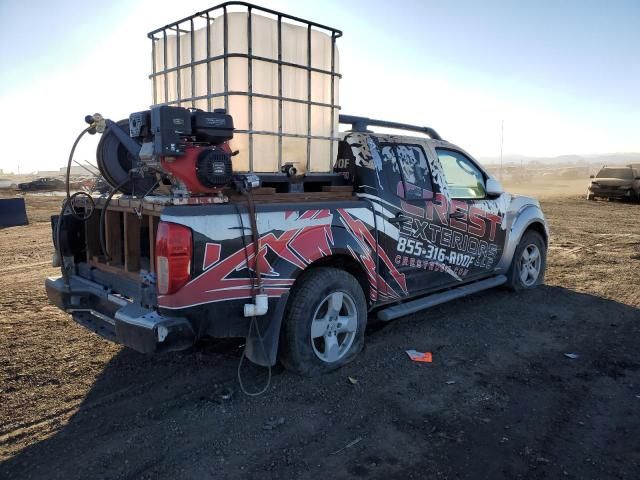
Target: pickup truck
[423,223]
[44,184]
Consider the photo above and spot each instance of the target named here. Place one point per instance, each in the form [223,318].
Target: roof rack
[361,124]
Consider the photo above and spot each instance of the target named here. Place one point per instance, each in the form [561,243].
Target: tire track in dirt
[24,266]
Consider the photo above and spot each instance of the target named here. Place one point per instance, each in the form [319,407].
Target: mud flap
[265,353]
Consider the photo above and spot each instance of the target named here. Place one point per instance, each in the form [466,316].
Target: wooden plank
[264,191]
[297,197]
[148,208]
[132,224]
[338,188]
[92,235]
[117,270]
[113,234]
[153,228]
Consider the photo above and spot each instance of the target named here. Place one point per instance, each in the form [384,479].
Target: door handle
[399,218]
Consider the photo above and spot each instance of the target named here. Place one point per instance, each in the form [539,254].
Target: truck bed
[131,224]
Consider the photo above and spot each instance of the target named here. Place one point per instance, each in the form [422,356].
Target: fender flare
[264,351]
[526,216]
[342,238]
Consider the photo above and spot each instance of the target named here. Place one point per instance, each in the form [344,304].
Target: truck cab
[446,220]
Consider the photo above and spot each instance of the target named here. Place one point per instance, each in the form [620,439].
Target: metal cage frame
[211,14]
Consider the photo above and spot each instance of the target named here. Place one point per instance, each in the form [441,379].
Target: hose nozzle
[97,123]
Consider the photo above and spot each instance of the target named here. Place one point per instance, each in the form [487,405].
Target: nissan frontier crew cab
[414,221]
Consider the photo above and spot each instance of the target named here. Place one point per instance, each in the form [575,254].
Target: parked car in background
[615,182]
[44,183]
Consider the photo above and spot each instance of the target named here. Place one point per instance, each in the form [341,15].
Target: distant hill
[595,159]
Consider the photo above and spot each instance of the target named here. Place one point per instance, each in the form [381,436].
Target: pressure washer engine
[184,150]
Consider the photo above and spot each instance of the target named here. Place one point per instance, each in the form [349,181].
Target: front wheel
[529,262]
[325,322]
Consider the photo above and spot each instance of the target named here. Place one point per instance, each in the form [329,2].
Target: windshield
[625,173]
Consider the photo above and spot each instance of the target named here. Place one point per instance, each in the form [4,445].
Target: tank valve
[259,307]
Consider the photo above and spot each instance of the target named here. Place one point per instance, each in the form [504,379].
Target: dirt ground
[500,400]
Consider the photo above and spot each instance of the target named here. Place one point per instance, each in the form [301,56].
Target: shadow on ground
[501,400]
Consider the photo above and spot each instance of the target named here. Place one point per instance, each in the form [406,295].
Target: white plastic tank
[200,83]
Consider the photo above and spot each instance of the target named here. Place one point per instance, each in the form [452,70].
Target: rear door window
[407,170]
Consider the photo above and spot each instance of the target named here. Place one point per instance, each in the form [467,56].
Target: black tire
[514,275]
[298,351]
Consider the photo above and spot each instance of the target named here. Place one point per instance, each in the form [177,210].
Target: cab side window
[463,178]
[406,170]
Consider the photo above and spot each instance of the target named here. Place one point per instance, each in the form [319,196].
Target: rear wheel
[325,322]
[529,262]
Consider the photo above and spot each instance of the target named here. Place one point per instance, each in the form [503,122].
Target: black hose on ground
[254,323]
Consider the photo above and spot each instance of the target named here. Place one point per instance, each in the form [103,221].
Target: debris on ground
[572,356]
[225,393]
[273,423]
[348,445]
[352,380]
[419,356]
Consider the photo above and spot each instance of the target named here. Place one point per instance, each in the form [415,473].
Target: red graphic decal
[367,242]
[477,225]
[495,221]
[211,255]
[300,247]
[308,214]
[461,207]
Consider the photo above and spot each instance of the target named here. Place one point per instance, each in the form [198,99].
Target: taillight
[173,257]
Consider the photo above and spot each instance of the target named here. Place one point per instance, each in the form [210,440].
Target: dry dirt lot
[500,400]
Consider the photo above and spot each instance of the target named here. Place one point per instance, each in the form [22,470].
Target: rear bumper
[117,319]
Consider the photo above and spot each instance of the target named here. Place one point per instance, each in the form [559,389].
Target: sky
[563,76]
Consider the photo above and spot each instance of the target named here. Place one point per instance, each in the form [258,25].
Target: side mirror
[494,187]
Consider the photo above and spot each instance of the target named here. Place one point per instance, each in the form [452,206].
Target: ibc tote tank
[281,83]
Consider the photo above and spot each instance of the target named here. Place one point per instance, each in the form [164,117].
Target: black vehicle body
[622,183]
[42,184]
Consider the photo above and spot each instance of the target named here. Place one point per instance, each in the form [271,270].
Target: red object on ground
[416,356]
